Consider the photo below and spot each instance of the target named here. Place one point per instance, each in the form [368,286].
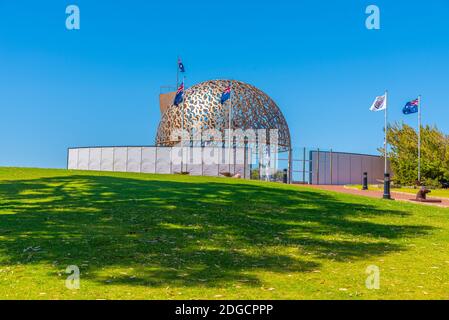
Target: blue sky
[99,85]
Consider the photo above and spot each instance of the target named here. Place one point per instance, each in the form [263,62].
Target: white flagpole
[229,133]
[177,74]
[386,132]
[419,138]
[182,124]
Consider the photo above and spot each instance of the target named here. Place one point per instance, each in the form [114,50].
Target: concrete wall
[340,168]
[207,161]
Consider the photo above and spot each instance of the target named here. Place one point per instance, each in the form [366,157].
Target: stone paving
[400,196]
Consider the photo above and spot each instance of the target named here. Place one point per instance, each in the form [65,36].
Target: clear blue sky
[316,59]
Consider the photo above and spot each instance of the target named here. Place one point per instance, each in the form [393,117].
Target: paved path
[378,194]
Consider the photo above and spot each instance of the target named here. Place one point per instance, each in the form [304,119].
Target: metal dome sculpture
[202,110]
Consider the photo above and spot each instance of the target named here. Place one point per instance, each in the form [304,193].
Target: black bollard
[285,176]
[365,181]
[387,194]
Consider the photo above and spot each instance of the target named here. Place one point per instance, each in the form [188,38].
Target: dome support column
[290,162]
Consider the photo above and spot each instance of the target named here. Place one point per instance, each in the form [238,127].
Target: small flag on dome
[181,66]
[226,94]
[179,95]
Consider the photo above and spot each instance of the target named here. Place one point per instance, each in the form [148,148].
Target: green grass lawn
[138,236]
[442,193]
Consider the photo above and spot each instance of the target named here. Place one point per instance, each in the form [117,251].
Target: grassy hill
[138,236]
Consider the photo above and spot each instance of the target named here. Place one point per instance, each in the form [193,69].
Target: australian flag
[179,95]
[225,95]
[181,66]
[411,107]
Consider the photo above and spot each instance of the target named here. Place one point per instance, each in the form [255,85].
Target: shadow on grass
[185,233]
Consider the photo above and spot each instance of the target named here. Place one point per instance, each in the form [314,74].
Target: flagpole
[177,74]
[229,133]
[386,132]
[182,124]
[419,138]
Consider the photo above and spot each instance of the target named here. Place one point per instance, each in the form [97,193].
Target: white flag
[379,104]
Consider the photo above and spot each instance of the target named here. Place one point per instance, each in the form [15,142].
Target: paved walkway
[378,194]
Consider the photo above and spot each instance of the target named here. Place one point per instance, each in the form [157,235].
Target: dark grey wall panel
[345,168]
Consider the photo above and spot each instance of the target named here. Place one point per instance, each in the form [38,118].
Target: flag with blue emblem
[179,95]
[411,107]
[226,94]
[181,66]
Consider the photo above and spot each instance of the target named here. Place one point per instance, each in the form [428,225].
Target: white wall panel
[94,159]
[195,169]
[154,160]
[107,159]
[83,159]
[163,161]
[240,157]
[120,159]
[194,161]
[211,155]
[239,169]
[72,162]
[177,157]
[149,159]
[210,170]
[134,159]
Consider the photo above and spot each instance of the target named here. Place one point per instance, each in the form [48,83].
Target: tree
[404,154]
